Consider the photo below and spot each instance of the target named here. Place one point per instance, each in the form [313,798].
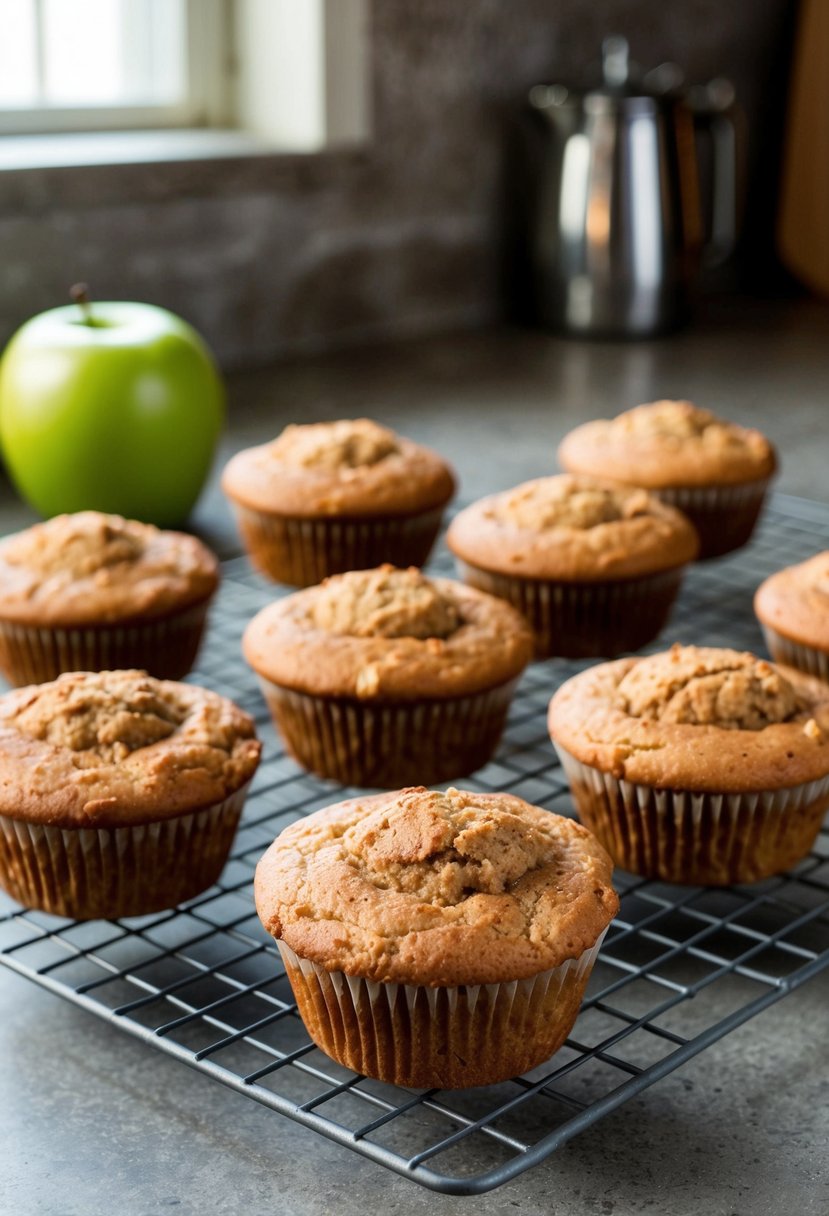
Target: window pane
[18,54]
[166,43]
[81,52]
[113,52]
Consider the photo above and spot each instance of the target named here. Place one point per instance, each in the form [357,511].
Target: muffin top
[795,602]
[352,468]
[103,749]
[420,887]
[668,443]
[388,634]
[696,718]
[89,568]
[572,528]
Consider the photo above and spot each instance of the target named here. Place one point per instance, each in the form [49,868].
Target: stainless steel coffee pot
[617,232]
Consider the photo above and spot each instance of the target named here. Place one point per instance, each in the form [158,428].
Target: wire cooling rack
[680,967]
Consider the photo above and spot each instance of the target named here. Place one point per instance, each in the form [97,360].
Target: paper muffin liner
[165,647]
[724,516]
[302,552]
[796,654]
[390,745]
[585,620]
[445,1038]
[107,873]
[700,839]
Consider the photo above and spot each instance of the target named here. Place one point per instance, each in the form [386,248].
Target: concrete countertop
[92,1122]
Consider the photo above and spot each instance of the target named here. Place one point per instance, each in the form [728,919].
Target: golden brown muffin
[716,472]
[328,497]
[697,765]
[594,567]
[793,608]
[437,939]
[376,675]
[119,793]
[91,591]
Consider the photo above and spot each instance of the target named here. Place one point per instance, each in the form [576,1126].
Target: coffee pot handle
[714,109]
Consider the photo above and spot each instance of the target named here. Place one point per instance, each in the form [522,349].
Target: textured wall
[270,255]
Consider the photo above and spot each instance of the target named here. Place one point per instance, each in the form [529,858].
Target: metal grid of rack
[680,967]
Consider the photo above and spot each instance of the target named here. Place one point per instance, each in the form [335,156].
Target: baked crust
[573,529]
[420,887]
[698,719]
[665,444]
[487,642]
[106,749]
[349,468]
[795,602]
[95,569]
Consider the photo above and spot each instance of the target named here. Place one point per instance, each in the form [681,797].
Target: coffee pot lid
[621,83]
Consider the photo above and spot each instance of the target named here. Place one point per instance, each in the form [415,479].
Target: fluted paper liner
[796,654]
[705,839]
[302,552]
[724,516]
[585,620]
[106,873]
[390,745]
[165,647]
[447,1038]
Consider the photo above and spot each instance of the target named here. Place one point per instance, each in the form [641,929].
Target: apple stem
[80,294]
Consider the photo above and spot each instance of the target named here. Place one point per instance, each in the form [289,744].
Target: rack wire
[680,967]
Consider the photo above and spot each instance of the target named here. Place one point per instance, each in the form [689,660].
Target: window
[291,73]
[86,64]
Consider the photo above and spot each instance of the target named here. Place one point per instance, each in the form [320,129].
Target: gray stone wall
[274,255]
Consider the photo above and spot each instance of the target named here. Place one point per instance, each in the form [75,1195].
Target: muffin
[119,793]
[91,592]
[793,609]
[594,568]
[335,496]
[377,675]
[437,939]
[717,473]
[698,765]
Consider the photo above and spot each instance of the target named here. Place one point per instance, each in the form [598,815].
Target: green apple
[111,406]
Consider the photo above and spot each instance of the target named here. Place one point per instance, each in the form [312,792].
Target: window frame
[205,104]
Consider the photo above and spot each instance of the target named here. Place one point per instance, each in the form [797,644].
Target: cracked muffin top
[698,718]
[102,749]
[355,468]
[668,443]
[421,887]
[334,445]
[566,527]
[90,568]
[795,602]
[385,603]
[388,633]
